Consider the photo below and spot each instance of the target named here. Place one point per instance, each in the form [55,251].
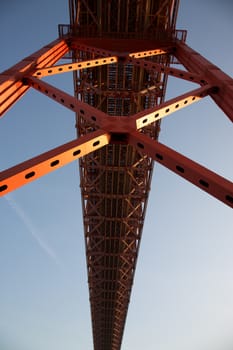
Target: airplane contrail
[31,228]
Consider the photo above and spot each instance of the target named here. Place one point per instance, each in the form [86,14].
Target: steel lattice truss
[121,54]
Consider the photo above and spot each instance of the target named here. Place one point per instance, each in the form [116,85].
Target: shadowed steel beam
[178,73]
[205,179]
[195,62]
[88,112]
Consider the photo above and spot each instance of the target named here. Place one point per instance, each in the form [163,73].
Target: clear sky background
[183,291]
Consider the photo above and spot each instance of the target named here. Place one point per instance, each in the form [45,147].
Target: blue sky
[182,294]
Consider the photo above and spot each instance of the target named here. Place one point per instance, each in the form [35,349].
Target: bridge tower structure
[121,54]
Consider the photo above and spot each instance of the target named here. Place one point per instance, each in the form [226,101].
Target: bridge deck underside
[115,180]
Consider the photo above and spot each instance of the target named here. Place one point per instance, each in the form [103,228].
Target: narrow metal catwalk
[121,54]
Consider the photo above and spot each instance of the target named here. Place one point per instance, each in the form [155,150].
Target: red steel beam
[154,52]
[83,45]
[205,179]
[74,66]
[195,62]
[17,80]
[149,116]
[32,169]
[177,73]
[198,175]
[11,80]
[88,112]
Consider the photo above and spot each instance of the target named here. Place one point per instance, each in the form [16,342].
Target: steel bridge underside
[115,180]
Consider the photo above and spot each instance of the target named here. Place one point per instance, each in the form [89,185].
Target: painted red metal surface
[195,62]
[12,87]
[120,72]
[206,180]
[34,168]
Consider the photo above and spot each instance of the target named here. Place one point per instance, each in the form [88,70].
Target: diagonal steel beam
[149,116]
[177,73]
[195,62]
[47,162]
[11,81]
[205,179]
[88,112]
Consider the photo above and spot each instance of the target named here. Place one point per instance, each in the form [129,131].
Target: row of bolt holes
[63,101]
[181,170]
[147,53]
[52,164]
[168,109]
[172,72]
[79,66]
